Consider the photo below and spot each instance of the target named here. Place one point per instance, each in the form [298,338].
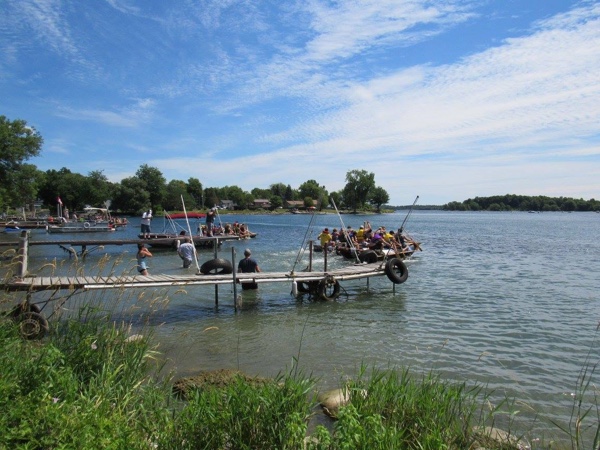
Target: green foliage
[271,415]
[154,182]
[83,389]
[378,196]
[359,183]
[511,202]
[18,143]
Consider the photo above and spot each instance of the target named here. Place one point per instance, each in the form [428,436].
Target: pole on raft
[325,258]
[310,255]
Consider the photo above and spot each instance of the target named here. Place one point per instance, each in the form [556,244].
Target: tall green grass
[88,386]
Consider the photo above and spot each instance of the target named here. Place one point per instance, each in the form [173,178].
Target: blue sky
[445,99]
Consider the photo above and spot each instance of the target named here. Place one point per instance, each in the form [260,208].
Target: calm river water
[508,300]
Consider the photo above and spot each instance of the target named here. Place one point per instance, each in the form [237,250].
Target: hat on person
[361,226]
[247,252]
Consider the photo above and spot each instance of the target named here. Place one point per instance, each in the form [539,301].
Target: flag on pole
[59,201]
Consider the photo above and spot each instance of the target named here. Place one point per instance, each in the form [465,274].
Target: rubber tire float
[329,288]
[32,325]
[369,257]
[222,267]
[396,271]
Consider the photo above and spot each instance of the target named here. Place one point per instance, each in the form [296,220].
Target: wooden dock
[319,284]
[33,284]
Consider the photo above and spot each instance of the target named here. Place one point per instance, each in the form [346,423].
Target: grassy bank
[89,385]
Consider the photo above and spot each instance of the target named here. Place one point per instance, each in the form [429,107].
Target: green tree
[378,196]
[310,188]
[236,195]
[336,199]
[172,199]
[261,193]
[211,197]
[26,185]
[308,202]
[194,188]
[18,143]
[276,201]
[130,195]
[97,190]
[358,185]
[154,182]
[289,193]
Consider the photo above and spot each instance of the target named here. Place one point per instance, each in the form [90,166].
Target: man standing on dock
[248,265]
[145,224]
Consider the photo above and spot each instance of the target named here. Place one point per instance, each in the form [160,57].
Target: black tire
[222,267]
[396,271]
[32,325]
[329,289]
[369,257]
[23,308]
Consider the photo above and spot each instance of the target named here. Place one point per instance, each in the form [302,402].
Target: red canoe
[191,215]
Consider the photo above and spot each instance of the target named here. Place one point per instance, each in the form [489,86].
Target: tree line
[511,202]
[23,185]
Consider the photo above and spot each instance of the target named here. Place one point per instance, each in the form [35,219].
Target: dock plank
[350,272]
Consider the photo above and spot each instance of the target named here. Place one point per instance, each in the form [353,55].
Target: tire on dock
[222,267]
[369,257]
[396,271]
[329,288]
[32,325]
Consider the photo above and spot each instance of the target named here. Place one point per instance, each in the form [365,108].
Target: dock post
[325,258]
[310,255]
[234,272]
[216,246]
[23,254]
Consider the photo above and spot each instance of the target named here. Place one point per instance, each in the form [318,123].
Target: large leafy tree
[26,185]
[18,143]
[236,194]
[378,196]
[97,189]
[70,187]
[172,200]
[194,188]
[359,183]
[130,195]
[154,183]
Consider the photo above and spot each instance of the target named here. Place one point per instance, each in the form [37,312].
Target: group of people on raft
[236,229]
[367,238]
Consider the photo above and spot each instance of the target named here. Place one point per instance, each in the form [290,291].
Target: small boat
[81,227]
[166,240]
[190,215]
[97,220]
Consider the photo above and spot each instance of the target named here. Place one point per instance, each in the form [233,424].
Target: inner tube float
[217,266]
[396,271]
[369,257]
[32,325]
[86,225]
[329,288]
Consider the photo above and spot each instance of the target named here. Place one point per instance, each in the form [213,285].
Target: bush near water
[89,385]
